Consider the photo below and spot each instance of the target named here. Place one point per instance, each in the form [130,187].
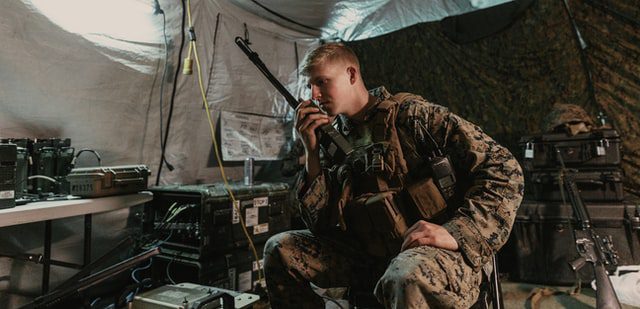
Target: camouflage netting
[508,82]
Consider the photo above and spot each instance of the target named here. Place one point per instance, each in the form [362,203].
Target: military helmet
[567,117]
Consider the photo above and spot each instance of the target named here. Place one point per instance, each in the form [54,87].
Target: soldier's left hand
[424,233]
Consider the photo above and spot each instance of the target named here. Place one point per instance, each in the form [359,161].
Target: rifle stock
[331,141]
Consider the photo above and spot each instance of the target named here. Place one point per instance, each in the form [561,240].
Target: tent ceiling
[352,20]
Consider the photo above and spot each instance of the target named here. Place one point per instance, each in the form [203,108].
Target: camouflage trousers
[422,277]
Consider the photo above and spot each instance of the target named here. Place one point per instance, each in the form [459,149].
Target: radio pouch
[382,233]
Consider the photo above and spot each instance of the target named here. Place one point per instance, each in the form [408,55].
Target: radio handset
[442,170]
[332,142]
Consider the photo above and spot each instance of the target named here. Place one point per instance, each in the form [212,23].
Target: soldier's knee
[407,276]
[273,243]
[278,243]
[400,276]
[393,285]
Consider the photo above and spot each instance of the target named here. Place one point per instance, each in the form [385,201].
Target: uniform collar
[381,94]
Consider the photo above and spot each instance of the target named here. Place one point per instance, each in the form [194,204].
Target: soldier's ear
[353,74]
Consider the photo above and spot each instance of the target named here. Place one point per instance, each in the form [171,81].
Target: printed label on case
[261,201]
[251,217]
[244,281]
[260,228]
[8,194]
[255,265]
[235,218]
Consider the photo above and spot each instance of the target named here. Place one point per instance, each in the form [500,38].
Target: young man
[391,215]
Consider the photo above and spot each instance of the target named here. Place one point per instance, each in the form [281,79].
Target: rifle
[331,141]
[591,247]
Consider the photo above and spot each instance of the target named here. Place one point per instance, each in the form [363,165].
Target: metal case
[192,296]
[604,185]
[208,223]
[235,270]
[108,180]
[599,148]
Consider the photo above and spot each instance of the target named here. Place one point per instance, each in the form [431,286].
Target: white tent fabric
[93,70]
[85,77]
[351,20]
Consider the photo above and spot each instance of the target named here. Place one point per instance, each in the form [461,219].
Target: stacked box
[542,243]
[598,148]
[593,157]
[205,242]
[236,270]
[595,185]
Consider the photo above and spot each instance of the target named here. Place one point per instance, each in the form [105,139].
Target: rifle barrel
[253,56]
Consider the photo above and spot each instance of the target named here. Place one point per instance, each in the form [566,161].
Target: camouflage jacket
[488,192]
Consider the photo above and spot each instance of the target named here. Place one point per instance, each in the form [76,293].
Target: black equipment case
[22,163]
[50,157]
[8,157]
[208,223]
[598,148]
[604,185]
[541,244]
[235,270]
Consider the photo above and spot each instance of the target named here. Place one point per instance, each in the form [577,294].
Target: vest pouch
[378,223]
[426,197]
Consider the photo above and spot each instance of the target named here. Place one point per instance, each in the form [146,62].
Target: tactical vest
[380,197]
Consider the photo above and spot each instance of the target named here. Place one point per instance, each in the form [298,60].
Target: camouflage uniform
[479,216]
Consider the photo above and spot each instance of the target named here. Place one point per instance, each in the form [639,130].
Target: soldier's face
[331,84]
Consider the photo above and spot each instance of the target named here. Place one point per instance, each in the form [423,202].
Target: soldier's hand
[423,233]
[308,119]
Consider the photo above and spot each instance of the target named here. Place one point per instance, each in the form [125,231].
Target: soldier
[415,165]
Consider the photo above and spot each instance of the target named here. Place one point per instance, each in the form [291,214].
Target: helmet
[569,118]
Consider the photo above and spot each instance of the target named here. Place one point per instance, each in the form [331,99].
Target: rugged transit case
[108,180]
[598,148]
[235,270]
[604,185]
[542,244]
[201,219]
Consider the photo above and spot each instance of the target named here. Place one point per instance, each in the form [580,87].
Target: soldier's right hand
[308,118]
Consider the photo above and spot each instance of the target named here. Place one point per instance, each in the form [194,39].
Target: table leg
[46,260]
[87,240]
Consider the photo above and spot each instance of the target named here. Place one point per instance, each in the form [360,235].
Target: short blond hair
[328,52]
